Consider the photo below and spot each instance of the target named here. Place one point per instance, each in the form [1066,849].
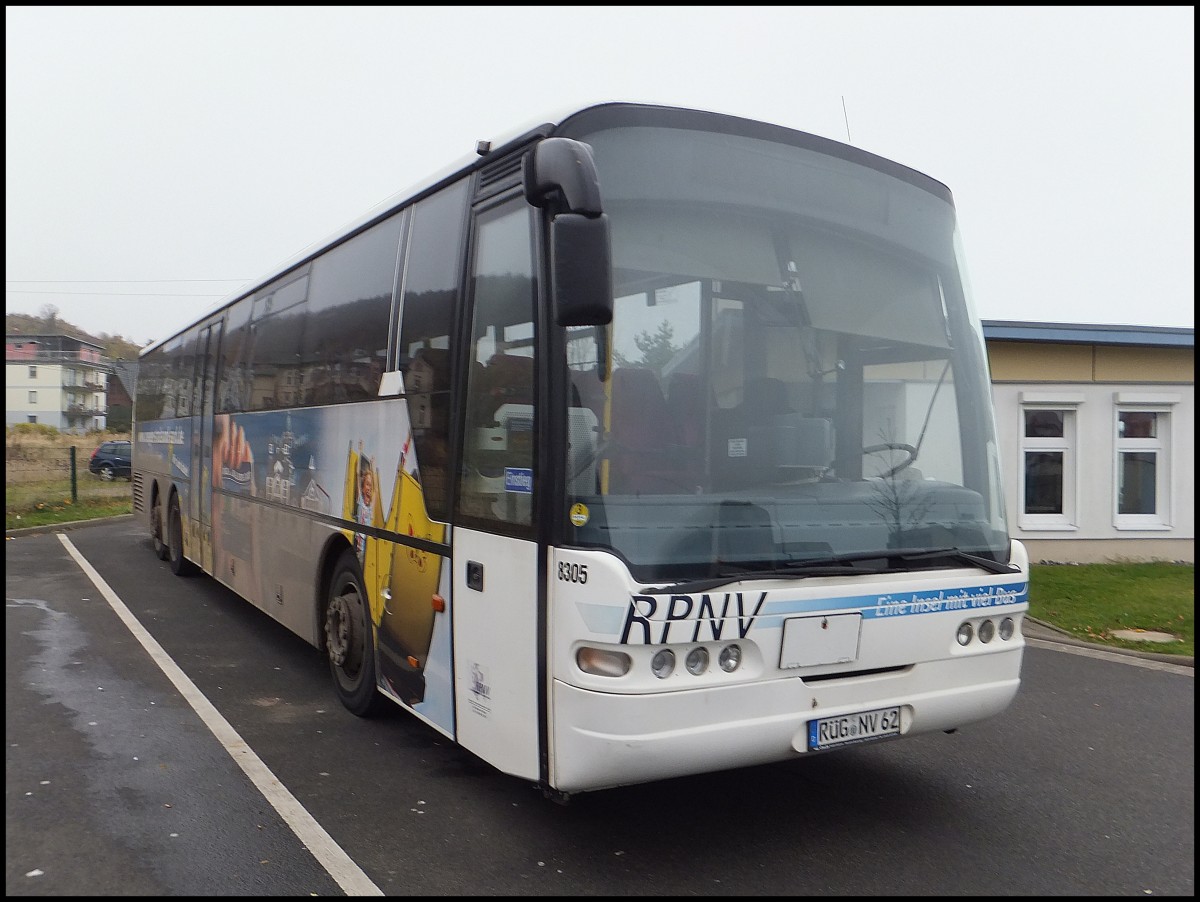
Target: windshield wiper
[833,565]
[726,577]
[956,554]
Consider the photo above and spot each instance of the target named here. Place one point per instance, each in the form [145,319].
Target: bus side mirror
[581,267]
[560,174]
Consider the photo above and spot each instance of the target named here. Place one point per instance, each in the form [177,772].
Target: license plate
[848,729]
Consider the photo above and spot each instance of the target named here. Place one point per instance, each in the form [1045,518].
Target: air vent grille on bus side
[498,176]
[139,503]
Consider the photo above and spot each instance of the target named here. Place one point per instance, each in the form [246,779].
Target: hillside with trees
[47,322]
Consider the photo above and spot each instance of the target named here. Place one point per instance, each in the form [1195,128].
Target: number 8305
[572,573]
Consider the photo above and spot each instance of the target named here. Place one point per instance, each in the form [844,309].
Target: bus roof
[542,126]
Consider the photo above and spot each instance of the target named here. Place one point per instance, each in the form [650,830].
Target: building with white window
[57,380]
[1097,438]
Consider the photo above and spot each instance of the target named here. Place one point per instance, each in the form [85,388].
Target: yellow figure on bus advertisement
[361,504]
[403,579]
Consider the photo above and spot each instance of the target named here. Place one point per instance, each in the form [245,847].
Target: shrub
[41,430]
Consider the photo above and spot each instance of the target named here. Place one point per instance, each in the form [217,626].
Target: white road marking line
[339,865]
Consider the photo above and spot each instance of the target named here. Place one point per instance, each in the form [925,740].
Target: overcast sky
[157,158]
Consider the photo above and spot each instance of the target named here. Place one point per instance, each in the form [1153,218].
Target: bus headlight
[1008,626]
[730,658]
[964,634]
[603,662]
[987,631]
[697,661]
[662,663]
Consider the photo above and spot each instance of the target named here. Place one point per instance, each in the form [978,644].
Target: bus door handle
[475,575]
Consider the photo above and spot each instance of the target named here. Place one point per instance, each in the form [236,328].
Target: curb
[1049,633]
[56,527]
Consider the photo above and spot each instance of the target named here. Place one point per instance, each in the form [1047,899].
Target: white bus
[644,443]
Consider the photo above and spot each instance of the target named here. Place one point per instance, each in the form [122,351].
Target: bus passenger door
[495,553]
[207,350]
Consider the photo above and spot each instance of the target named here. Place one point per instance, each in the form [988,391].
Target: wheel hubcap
[339,628]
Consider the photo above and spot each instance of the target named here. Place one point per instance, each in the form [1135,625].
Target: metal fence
[38,475]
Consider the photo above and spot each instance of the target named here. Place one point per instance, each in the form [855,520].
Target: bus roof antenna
[483,148]
[846,117]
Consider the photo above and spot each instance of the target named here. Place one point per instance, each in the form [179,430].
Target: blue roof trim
[1072,333]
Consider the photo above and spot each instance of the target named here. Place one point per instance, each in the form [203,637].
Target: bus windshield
[793,373]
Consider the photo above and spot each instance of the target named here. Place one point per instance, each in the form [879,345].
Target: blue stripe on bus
[901,604]
[605,618]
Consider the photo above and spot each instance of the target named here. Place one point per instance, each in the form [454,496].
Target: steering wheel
[894,446]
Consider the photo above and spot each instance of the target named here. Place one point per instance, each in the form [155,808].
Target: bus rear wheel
[349,639]
[156,529]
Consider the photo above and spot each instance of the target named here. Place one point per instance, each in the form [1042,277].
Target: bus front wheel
[180,565]
[349,639]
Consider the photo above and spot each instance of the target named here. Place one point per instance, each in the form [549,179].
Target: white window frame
[1068,404]
[33,372]
[33,396]
[1160,446]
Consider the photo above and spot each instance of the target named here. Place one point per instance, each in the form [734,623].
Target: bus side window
[427,321]
[349,302]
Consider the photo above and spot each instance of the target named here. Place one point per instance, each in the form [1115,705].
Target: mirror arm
[560,173]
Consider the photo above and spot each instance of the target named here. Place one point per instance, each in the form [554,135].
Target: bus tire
[350,639]
[156,529]
[180,565]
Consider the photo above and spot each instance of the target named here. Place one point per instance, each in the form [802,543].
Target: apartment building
[58,380]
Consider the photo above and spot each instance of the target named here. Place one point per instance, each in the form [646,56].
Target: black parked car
[112,459]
